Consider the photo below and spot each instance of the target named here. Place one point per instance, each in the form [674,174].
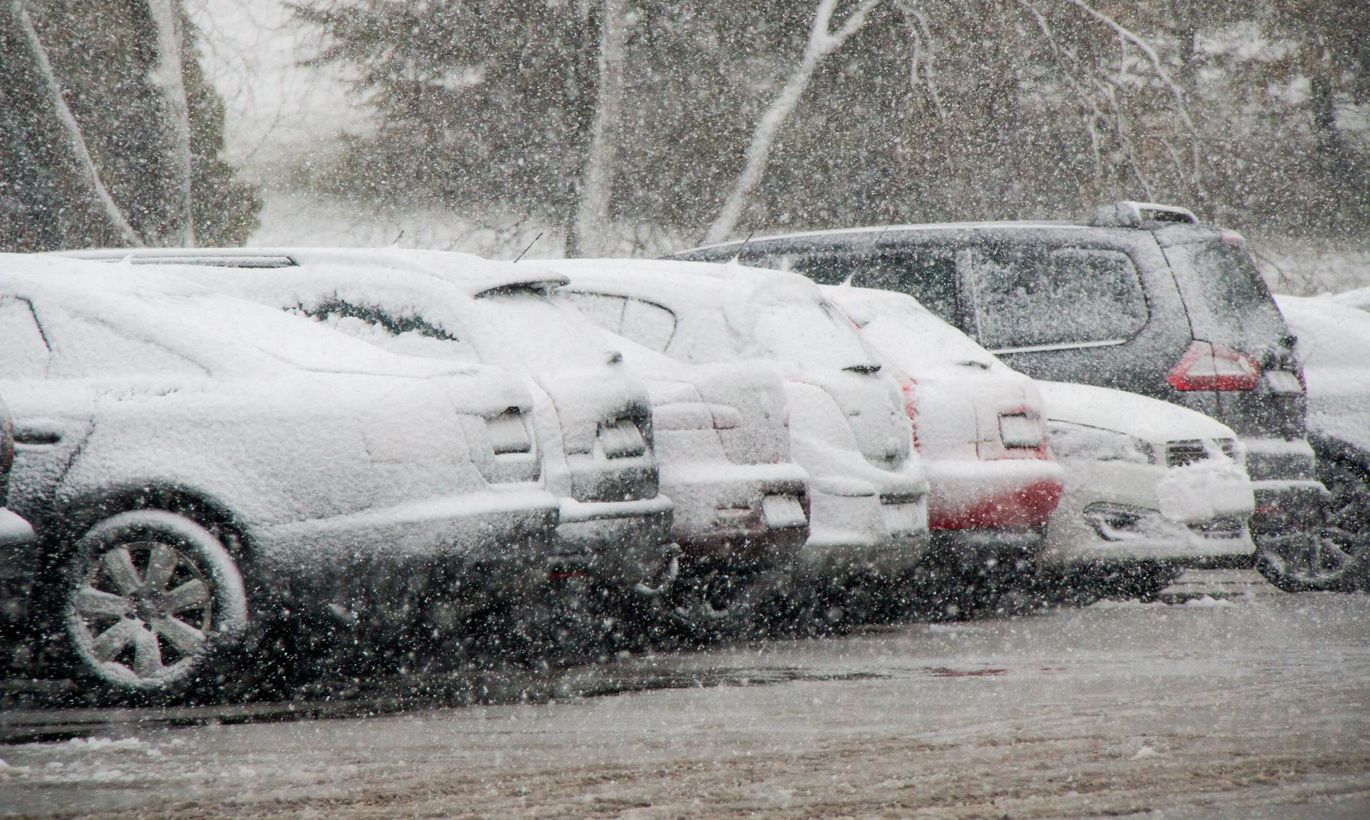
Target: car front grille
[1181,453]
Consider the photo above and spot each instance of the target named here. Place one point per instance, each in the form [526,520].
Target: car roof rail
[1129,214]
[230,258]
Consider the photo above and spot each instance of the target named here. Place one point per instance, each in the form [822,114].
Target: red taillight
[908,387]
[1207,366]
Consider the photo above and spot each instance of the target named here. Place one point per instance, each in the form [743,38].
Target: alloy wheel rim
[143,612]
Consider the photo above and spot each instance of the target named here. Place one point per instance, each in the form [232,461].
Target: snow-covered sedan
[733,505]
[867,488]
[980,429]
[1150,488]
[203,470]
[1334,346]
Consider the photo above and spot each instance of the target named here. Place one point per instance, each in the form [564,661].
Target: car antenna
[743,249]
[875,245]
[529,248]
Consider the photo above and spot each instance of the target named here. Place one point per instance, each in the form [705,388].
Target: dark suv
[1140,298]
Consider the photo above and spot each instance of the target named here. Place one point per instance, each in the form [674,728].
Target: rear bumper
[620,542]
[857,528]
[721,515]
[1288,495]
[1287,506]
[989,495]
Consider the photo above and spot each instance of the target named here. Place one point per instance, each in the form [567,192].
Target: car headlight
[1079,441]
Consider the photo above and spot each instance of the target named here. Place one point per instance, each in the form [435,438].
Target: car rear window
[1031,296]
[1226,297]
[813,332]
[536,330]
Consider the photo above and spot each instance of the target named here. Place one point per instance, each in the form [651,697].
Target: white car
[1334,347]
[981,431]
[731,500]
[1357,298]
[204,470]
[867,488]
[1150,487]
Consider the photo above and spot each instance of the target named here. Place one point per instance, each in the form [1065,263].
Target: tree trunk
[822,42]
[596,189]
[27,60]
[166,78]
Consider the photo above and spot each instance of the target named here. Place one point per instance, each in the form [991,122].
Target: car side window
[24,353]
[408,335]
[926,274]
[648,324]
[603,309]
[87,348]
[1032,296]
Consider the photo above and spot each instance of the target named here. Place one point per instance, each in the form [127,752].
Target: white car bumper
[1120,512]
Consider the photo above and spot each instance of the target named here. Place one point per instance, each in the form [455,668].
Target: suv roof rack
[1129,214]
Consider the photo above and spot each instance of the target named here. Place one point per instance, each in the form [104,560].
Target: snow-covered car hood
[1145,418]
[1334,346]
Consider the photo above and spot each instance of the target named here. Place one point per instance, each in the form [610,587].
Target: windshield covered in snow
[537,332]
[807,330]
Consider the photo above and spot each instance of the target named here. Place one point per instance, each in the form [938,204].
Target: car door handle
[36,436]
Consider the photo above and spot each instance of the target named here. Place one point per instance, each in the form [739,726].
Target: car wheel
[1348,515]
[152,603]
[1314,561]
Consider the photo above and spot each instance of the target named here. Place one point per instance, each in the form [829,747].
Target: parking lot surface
[1227,699]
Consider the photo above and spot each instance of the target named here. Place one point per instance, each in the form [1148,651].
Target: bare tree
[166,76]
[59,124]
[592,207]
[823,41]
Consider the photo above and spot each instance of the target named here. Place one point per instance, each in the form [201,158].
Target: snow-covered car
[867,488]
[591,415]
[16,542]
[1356,298]
[980,430]
[1150,488]
[203,471]
[733,505]
[1334,345]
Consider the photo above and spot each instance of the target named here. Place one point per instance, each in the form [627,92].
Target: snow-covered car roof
[220,333]
[895,321]
[729,284]
[1141,416]
[473,274]
[1357,298]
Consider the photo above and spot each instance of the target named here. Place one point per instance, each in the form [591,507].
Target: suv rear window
[1226,296]
[1034,296]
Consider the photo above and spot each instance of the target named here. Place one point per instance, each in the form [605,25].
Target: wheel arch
[77,514]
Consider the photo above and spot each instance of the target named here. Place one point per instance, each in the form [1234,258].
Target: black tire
[1348,516]
[152,604]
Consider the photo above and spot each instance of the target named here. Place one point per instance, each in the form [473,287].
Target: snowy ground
[1258,705]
